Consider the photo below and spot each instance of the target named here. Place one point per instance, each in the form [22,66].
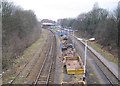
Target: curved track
[110,76]
[48,65]
[44,75]
[18,75]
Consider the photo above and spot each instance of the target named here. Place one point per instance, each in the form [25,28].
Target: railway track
[45,72]
[46,45]
[18,75]
[110,76]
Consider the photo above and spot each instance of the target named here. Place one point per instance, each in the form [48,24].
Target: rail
[46,66]
[14,79]
[111,76]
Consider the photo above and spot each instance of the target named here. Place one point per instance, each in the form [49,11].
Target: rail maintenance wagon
[74,65]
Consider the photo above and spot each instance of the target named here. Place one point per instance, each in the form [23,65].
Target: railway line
[47,67]
[20,72]
[108,74]
[44,75]
[73,71]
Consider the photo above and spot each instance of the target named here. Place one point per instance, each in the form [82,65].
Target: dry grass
[103,52]
[20,62]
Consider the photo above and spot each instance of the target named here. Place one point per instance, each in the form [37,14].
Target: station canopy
[48,24]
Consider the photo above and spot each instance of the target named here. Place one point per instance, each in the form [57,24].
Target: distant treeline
[20,29]
[98,23]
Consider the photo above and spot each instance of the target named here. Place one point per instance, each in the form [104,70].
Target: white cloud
[54,9]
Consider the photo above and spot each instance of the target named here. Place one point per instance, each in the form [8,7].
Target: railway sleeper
[42,79]
[41,82]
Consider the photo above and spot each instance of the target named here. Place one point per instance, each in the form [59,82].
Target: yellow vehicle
[80,83]
[73,65]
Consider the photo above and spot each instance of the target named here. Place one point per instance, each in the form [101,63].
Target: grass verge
[20,62]
[103,52]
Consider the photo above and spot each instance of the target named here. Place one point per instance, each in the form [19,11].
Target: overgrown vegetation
[98,23]
[20,29]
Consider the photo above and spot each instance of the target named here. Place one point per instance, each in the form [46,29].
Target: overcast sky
[55,9]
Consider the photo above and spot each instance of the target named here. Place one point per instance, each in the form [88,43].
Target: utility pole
[73,39]
[85,55]
[86,45]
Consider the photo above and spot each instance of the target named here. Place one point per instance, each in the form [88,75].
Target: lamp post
[74,38]
[86,45]
[85,55]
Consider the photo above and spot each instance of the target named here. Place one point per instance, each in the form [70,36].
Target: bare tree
[20,30]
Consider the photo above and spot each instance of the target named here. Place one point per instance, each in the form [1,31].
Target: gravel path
[58,68]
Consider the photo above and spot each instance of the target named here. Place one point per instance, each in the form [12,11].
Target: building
[46,23]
